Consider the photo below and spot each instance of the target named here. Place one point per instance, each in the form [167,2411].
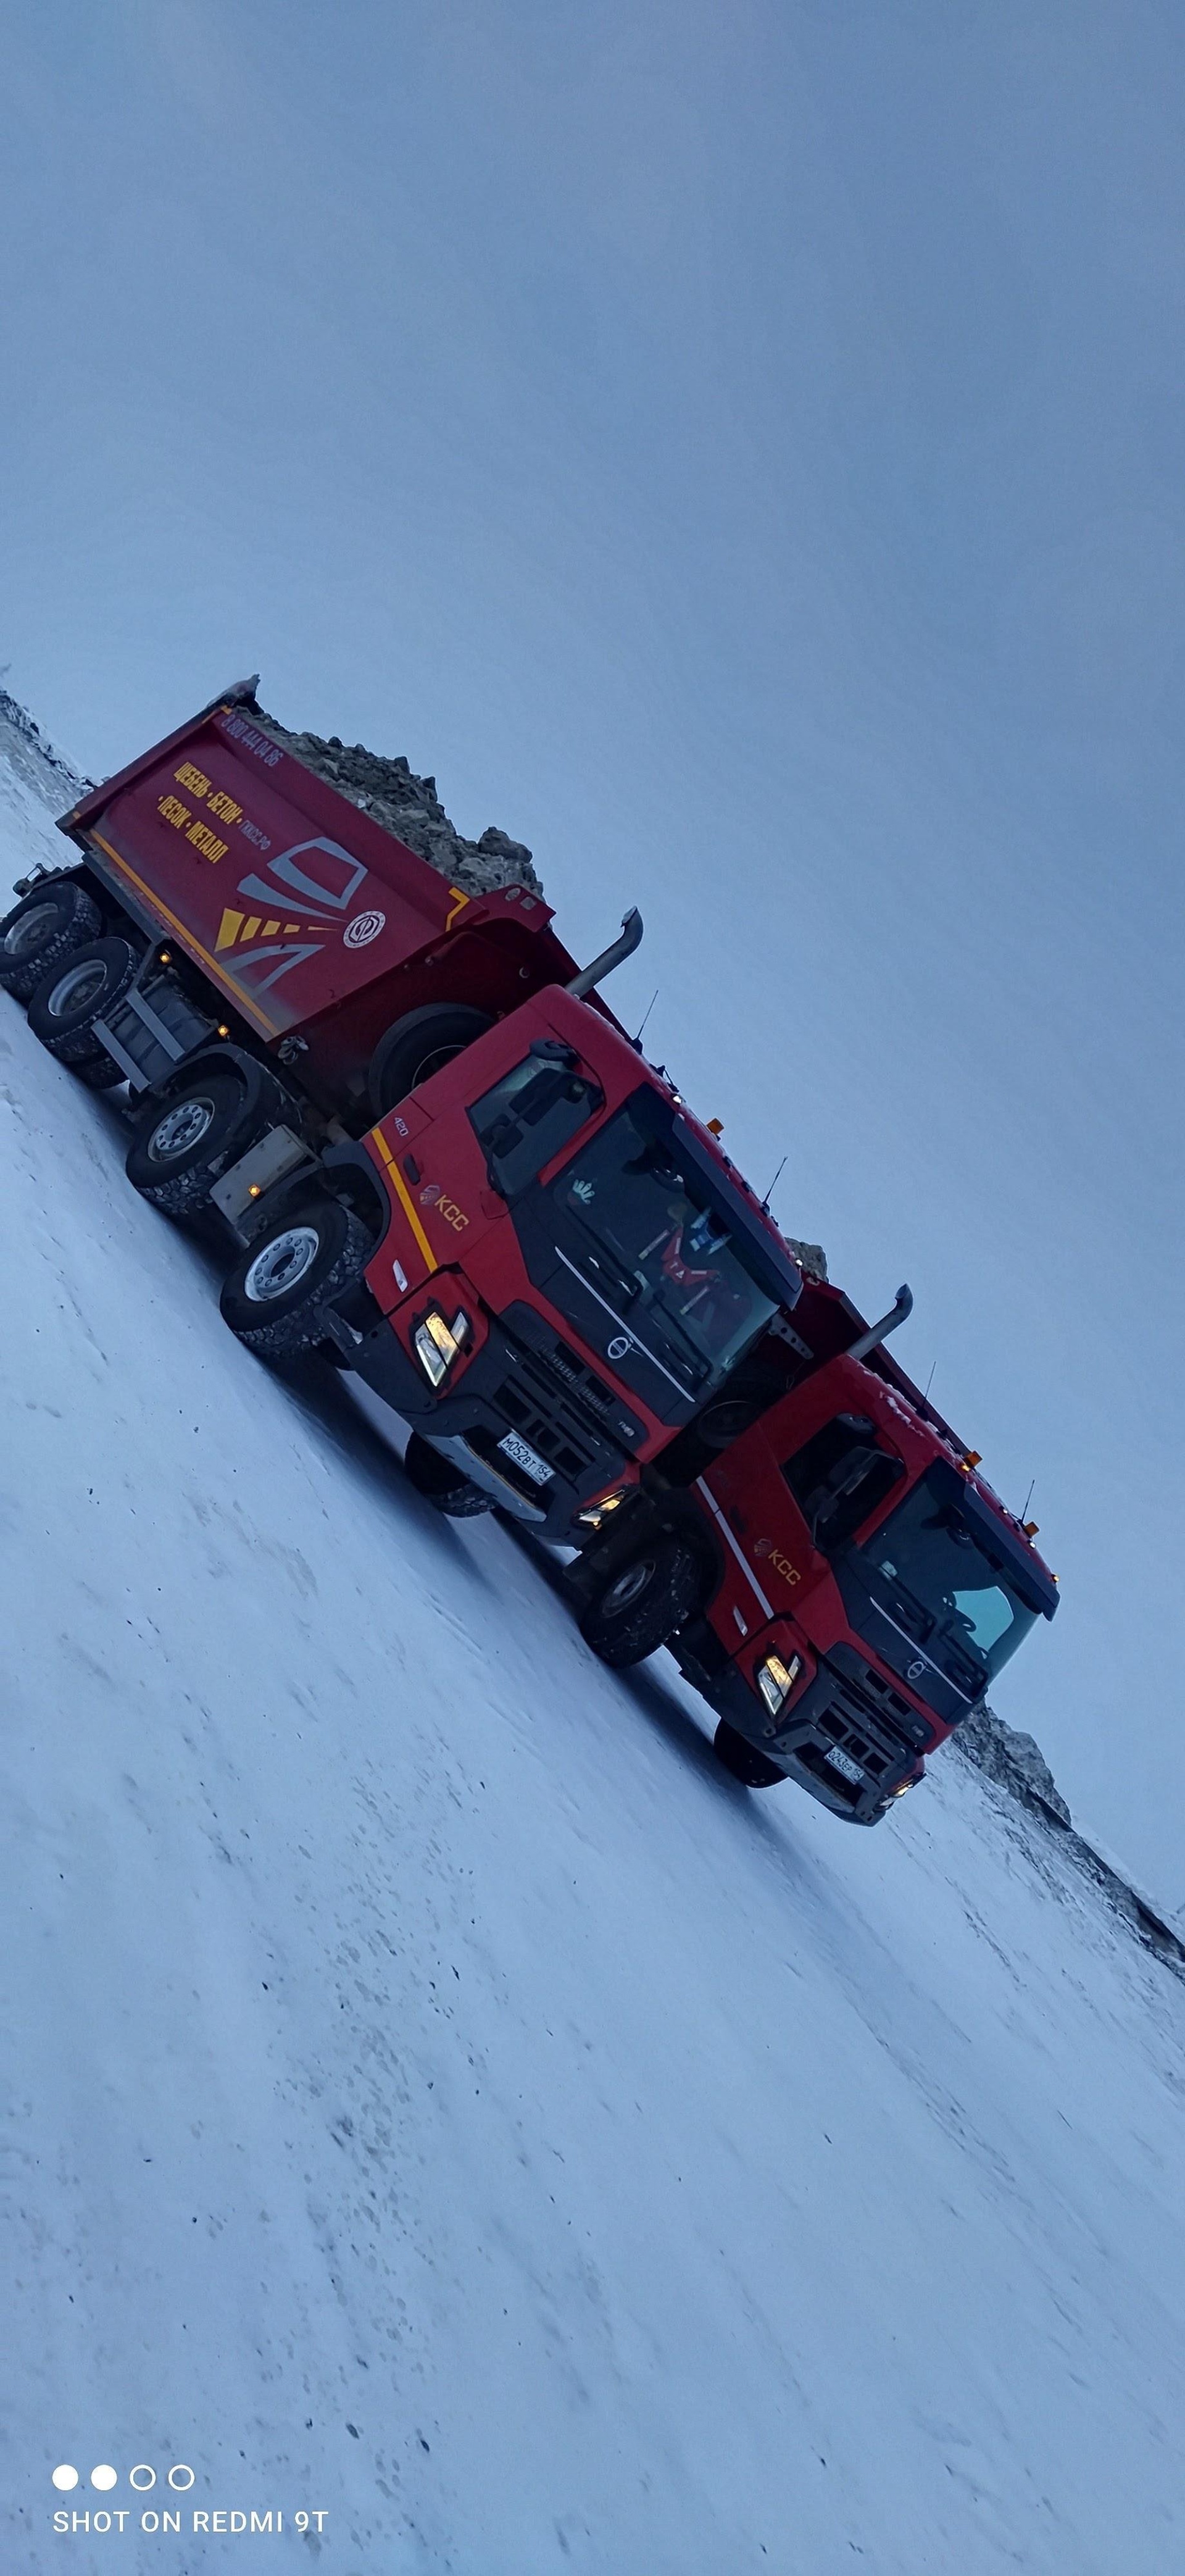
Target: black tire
[442,1484]
[743,1759]
[642,1604]
[182,1144]
[418,1046]
[42,930]
[76,993]
[725,1420]
[276,1306]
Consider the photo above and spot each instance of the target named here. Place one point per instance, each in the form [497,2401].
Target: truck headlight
[437,1344]
[598,1512]
[775,1680]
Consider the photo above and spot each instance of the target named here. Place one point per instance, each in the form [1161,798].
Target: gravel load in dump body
[811,1258]
[390,792]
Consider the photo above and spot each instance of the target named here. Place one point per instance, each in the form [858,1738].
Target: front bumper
[846,1708]
[507,1387]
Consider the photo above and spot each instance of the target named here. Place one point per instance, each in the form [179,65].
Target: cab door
[457,1152]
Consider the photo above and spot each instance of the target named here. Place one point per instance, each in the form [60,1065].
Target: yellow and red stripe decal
[400,1188]
[182,931]
[235,926]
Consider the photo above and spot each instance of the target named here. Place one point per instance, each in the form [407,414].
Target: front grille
[812,1760]
[536,1403]
[595,1399]
[895,1713]
[851,1730]
[582,1380]
[866,1718]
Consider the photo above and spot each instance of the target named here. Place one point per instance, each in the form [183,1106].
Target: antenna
[645,1015]
[774,1183]
[929,1381]
[1028,1499]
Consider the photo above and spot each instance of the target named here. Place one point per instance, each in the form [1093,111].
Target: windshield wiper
[961,1650]
[624,1287]
[678,1344]
[913,1614]
[634,1338]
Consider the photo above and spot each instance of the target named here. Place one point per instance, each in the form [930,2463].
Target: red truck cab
[860,1586]
[570,1269]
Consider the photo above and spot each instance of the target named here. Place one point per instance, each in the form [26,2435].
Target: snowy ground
[439,2099]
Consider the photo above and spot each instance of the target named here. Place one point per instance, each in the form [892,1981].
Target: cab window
[839,1476]
[530,1115]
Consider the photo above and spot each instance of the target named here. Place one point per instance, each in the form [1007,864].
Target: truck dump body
[309,918]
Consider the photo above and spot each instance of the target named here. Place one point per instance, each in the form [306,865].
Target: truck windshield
[934,1577]
[659,1254]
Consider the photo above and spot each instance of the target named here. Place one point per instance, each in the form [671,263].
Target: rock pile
[1013,1760]
[811,1258]
[391,793]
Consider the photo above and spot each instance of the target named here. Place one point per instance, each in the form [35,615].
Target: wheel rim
[180,1130]
[628,1588]
[30,931]
[282,1264]
[77,991]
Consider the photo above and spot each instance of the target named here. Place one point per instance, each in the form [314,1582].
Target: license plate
[525,1458]
[843,1763]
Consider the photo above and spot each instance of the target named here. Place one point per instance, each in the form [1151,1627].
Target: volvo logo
[617,1348]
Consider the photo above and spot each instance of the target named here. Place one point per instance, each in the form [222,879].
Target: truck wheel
[182,1144]
[724,1421]
[38,933]
[68,1001]
[417,1046]
[275,1295]
[441,1483]
[642,1605]
[743,1759]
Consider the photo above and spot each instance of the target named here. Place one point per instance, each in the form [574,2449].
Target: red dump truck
[823,1559]
[439,1155]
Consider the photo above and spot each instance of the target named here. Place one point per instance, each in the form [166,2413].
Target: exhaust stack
[591,976]
[878,1333]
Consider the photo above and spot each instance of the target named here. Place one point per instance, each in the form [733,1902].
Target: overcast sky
[739,451]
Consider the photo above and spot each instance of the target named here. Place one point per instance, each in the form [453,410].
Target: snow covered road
[438,2099]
